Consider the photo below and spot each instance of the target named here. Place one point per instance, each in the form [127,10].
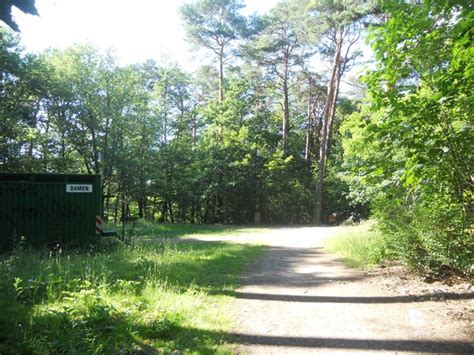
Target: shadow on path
[282,267]
[298,274]
[427,346]
[439,296]
[432,346]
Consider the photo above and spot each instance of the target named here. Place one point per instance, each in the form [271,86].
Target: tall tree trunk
[194,129]
[116,208]
[154,209]
[306,145]
[221,74]
[164,212]
[165,128]
[307,149]
[193,212]
[333,111]
[170,208]
[329,112]
[106,204]
[95,151]
[45,147]
[32,139]
[107,166]
[317,126]
[286,115]
[140,207]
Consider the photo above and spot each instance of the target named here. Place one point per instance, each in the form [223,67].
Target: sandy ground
[299,299]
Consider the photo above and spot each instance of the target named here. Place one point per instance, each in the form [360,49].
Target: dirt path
[299,299]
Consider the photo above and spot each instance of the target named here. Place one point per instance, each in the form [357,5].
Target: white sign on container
[78,188]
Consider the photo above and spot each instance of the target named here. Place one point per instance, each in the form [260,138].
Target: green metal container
[44,208]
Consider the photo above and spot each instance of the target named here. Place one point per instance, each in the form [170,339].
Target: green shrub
[429,236]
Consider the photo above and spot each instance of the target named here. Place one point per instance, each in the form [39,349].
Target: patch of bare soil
[299,299]
[455,294]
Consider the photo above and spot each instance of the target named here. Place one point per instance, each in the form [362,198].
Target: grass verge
[151,231]
[360,246]
[152,297]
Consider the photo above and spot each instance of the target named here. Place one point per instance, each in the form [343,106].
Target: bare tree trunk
[194,129]
[333,112]
[116,208]
[321,171]
[317,126]
[95,151]
[170,208]
[154,209]
[164,212]
[106,204]
[107,167]
[45,147]
[32,139]
[306,145]
[307,149]
[286,115]
[165,128]
[140,207]
[193,212]
[221,74]
[329,112]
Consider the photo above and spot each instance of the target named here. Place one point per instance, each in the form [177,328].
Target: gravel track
[298,299]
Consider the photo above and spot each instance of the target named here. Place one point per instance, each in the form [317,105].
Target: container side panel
[42,212]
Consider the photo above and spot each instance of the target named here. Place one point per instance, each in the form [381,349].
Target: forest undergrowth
[120,299]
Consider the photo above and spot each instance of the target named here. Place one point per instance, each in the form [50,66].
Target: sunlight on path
[291,237]
[299,299]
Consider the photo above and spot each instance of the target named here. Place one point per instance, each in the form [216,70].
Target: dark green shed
[44,208]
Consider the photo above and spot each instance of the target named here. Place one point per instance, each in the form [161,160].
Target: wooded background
[256,130]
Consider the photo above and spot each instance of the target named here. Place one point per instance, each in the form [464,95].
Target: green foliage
[341,195]
[153,296]
[276,46]
[410,146]
[167,151]
[213,23]
[23,83]
[428,235]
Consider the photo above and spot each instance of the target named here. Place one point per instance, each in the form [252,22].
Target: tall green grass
[155,297]
[361,246]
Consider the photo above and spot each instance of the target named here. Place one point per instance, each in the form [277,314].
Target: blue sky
[136,29]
